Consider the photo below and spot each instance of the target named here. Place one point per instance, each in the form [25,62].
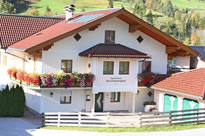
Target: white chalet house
[113,44]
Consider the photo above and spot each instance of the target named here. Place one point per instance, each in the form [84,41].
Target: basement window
[66,99]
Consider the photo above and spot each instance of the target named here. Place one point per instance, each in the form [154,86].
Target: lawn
[118,130]
[57,6]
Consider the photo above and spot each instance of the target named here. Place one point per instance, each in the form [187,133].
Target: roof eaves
[179,93]
[157,31]
[28,16]
[77,29]
[15,49]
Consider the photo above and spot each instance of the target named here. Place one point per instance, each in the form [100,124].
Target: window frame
[106,73]
[67,65]
[109,34]
[123,73]
[64,102]
[119,96]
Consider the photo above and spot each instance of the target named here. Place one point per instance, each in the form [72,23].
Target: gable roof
[14,28]
[112,50]
[190,82]
[200,50]
[64,29]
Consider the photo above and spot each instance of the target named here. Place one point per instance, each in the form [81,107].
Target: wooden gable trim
[158,32]
[119,13]
[134,28]
[94,27]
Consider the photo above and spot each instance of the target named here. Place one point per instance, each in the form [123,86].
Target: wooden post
[43,119]
[79,119]
[59,119]
[140,119]
[170,118]
[108,118]
[197,114]
[93,104]
[133,102]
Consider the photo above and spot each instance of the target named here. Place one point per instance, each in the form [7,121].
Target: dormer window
[109,36]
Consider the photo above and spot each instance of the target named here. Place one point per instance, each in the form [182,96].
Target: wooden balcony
[148,79]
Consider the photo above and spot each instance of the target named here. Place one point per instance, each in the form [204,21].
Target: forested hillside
[182,19]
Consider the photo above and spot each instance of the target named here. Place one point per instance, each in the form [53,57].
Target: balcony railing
[148,78]
[56,80]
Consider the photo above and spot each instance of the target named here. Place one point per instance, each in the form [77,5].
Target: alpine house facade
[112,46]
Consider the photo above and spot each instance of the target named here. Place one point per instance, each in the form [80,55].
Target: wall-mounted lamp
[51,94]
[89,65]
[138,92]
[87,97]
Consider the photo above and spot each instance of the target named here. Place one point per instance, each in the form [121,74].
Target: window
[146,66]
[66,66]
[124,68]
[172,62]
[108,67]
[109,36]
[115,97]
[65,99]
[4,60]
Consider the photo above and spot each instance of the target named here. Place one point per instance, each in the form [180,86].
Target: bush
[12,102]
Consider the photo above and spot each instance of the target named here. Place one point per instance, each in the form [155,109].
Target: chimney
[69,11]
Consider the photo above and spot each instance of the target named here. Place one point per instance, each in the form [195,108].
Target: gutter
[14,49]
[183,94]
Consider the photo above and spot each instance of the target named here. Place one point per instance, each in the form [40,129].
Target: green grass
[57,6]
[193,4]
[118,130]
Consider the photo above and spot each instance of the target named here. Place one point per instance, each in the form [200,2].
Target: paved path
[20,127]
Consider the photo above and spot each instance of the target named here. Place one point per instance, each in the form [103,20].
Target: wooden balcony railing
[148,78]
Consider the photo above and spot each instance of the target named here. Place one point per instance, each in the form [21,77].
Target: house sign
[116,80]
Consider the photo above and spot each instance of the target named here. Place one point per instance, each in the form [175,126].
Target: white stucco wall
[201,63]
[68,48]
[52,104]
[183,62]
[33,99]
[142,97]
[114,82]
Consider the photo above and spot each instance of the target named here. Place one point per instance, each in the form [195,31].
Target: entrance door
[99,102]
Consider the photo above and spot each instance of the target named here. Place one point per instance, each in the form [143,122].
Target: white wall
[115,82]
[201,63]
[68,48]
[116,106]
[33,99]
[142,97]
[52,104]
[182,62]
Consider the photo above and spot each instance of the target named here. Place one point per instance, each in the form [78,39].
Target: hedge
[12,102]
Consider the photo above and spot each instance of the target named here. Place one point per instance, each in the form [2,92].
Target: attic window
[140,39]
[77,37]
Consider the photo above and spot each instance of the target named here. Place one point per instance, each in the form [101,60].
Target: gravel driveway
[21,127]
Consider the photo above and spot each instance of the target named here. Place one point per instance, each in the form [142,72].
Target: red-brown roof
[112,50]
[63,29]
[191,82]
[59,29]
[14,28]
